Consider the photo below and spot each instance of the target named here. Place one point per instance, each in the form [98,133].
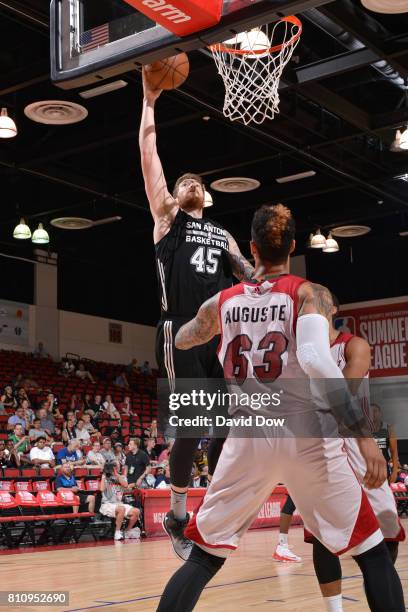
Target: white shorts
[323,486]
[109,509]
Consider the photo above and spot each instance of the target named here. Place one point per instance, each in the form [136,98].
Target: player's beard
[193,200]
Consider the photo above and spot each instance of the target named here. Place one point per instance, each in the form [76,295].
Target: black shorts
[198,362]
[83,498]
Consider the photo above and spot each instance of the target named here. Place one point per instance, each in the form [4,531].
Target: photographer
[112,486]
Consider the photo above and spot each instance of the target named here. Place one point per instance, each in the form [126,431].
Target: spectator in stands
[40,352]
[2,406]
[145,369]
[22,395]
[21,444]
[30,384]
[47,420]
[137,464]
[28,412]
[41,454]
[74,403]
[132,368]
[151,431]
[18,418]
[112,485]
[150,451]
[97,406]
[58,416]
[94,456]
[67,368]
[7,458]
[89,427]
[165,454]
[81,433]
[110,408]
[106,450]
[12,455]
[119,455]
[52,402]
[57,435]
[115,436]
[87,401]
[36,431]
[162,477]
[121,381]
[83,374]
[9,399]
[69,430]
[70,454]
[67,480]
[126,407]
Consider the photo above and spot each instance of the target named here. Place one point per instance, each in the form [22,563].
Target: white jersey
[258,342]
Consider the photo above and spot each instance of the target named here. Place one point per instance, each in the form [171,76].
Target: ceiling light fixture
[8,128]
[208,201]
[22,231]
[332,246]
[318,241]
[40,235]
[295,177]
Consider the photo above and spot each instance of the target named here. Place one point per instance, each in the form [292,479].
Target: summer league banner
[386,330]
[312,408]
[14,323]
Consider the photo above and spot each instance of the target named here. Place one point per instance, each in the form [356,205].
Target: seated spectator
[2,406]
[110,408]
[28,412]
[81,433]
[30,384]
[165,454]
[121,381]
[70,454]
[106,450]
[21,395]
[67,368]
[21,444]
[162,477]
[97,406]
[36,431]
[40,352]
[137,464]
[67,480]
[115,436]
[9,399]
[74,403]
[58,416]
[52,402]
[18,418]
[112,485]
[47,421]
[119,455]
[132,368]
[83,374]
[149,449]
[151,431]
[89,426]
[11,454]
[126,407]
[94,456]
[7,458]
[87,401]
[42,455]
[146,369]
[69,430]
[57,435]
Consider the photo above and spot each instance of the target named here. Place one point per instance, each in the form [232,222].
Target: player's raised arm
[162,203]
[202,328]
[241,268]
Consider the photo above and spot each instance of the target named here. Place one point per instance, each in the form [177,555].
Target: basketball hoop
[251,65]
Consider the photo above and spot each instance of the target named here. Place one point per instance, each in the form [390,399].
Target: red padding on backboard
[182,17]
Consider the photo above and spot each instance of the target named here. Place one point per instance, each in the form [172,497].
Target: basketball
[169,73]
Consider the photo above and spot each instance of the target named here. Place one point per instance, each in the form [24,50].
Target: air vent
[350,231]
[72,223]
[235,184]
[55,112]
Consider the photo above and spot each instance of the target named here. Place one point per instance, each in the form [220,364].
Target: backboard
[92,40]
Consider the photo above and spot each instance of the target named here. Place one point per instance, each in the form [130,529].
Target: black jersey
[192,264]
[382,437]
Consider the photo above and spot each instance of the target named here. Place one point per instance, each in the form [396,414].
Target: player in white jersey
[278,330]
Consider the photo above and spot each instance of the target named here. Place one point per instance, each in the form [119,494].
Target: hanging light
[22,231]
[208,201]
[8,128]
[332,246]
[40,236]
[318,241]
[401,140]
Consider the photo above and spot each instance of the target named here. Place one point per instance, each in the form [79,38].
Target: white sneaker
[132,533]
[118,535]
[285,555]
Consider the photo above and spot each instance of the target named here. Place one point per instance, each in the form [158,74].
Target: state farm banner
[386,330]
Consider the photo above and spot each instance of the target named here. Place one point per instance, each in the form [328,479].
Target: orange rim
[289,19]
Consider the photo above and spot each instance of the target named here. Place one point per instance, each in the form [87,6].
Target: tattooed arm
[315,299]
[202,328]
[241,267]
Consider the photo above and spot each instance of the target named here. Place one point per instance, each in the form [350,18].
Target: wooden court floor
[122,577]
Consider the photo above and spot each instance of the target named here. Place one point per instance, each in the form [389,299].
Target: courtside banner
[386,330]
[181,17]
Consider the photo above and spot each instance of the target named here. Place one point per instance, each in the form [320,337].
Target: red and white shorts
[322,484]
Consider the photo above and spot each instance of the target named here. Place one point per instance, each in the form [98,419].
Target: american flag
[91,39]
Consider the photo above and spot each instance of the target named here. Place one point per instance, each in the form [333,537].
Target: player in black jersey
[196,259]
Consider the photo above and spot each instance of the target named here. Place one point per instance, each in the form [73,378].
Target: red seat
[6,485]
[23,485]
[47,472]
[92,485]
[66,497]
[78,472]
[25,499]
[7,501]
[95,471]
[41,485]
[46,499]
[29,473]
[11,473]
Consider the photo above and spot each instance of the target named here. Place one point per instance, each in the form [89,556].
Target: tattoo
[241,267]
[202,328]
[321,299]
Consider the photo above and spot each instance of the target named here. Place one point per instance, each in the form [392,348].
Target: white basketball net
[251,65]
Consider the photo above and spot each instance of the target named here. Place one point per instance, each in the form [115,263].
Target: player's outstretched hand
[149,93]
[376,472]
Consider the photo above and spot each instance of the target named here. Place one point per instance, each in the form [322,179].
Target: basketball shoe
[285,555]
[175,530]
